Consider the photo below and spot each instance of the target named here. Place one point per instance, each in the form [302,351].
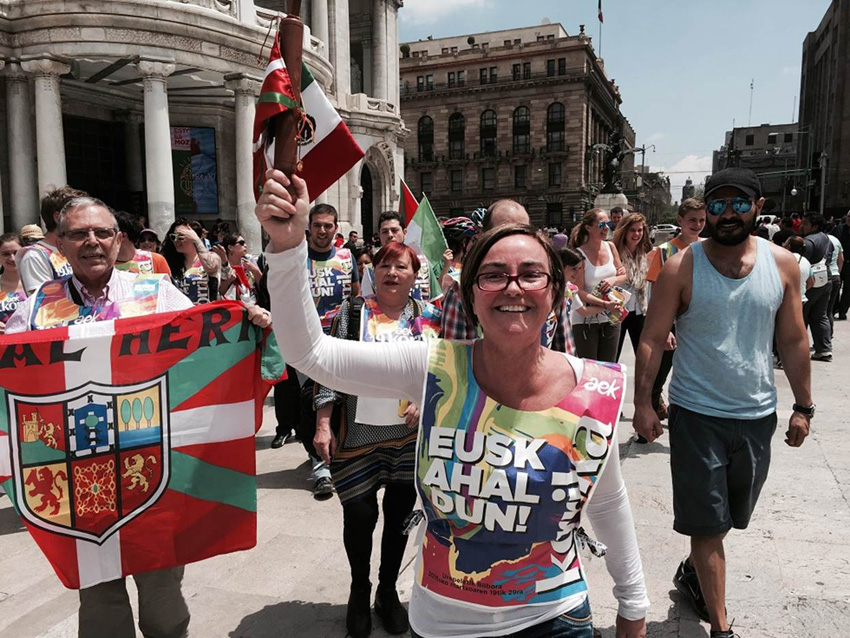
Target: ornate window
[488,133]
[426,139]
[522,130]
[555,121]
[457,129]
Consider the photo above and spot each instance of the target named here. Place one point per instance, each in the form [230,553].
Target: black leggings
[663,373]
[633,323]
[359,521]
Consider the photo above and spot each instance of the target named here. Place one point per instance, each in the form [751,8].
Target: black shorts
[719,467]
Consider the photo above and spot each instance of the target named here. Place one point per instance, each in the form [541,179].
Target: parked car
[664,232]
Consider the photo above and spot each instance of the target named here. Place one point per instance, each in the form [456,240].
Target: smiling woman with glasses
[505,426]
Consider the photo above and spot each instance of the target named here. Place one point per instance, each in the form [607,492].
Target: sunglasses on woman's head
[740,205]
[602,225]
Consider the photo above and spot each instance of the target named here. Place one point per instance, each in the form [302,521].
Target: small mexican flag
[425,236]
[407,203]
[327,148]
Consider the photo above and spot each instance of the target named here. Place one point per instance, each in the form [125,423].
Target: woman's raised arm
[390,370]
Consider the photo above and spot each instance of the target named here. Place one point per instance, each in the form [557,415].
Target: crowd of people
[396,382]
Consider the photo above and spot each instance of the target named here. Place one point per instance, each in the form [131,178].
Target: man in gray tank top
[729,296]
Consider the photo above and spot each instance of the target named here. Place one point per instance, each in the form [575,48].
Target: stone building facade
[522,113]
[94,90]
[771,151]
[824,120]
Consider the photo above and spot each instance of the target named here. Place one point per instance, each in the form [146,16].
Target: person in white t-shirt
[43,261]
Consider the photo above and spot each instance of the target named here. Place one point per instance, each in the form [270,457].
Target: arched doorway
[367,203]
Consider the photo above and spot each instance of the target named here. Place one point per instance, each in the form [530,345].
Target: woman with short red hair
[373,441]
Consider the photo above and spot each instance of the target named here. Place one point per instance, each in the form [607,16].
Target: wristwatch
[806,411]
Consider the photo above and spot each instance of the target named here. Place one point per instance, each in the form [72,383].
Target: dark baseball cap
[743,179]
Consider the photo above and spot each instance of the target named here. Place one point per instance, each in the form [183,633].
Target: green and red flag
[128,445]
[407,203]
[327,149]
[425,236]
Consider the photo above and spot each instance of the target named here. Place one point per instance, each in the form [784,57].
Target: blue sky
[683,67]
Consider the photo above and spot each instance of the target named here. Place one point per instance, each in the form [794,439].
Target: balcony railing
[227,7]
[572,73]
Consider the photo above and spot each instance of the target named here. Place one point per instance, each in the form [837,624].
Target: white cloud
[429,11]
[655,137]
[791,70]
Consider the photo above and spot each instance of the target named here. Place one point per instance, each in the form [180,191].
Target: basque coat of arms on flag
[89,460]
[128,445]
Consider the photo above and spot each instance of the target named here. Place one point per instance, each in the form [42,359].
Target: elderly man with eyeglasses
[89,237]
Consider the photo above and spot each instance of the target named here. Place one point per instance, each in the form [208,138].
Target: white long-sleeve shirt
[399,369]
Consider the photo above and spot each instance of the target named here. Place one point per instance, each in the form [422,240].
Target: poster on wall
[195,172]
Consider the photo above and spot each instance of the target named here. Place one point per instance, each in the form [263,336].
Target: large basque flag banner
[128,445]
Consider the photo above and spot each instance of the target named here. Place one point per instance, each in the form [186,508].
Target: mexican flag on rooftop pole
[327,148]
[425,236]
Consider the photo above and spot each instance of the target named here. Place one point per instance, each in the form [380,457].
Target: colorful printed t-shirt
[59,303]
[197,284]
[417,321]
[57,260]
[331,275]
[504,489]
[145,262]
[39,263]
[9,302]
[422,285]
[661,255]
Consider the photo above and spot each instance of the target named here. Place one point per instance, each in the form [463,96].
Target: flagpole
[600,40]
[600,17]
[287,124]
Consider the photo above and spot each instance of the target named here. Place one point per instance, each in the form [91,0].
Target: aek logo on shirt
[605,388]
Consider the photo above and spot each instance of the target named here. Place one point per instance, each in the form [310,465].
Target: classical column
[368,70]
[158,164]
[49,135]
[319,20]
[340,54]
[133,164]
[380,72]
[392,54]
[23,176]
[245,89]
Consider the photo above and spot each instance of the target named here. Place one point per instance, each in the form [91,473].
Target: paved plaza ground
[789,573]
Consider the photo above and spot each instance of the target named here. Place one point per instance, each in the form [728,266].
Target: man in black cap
[728,296]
